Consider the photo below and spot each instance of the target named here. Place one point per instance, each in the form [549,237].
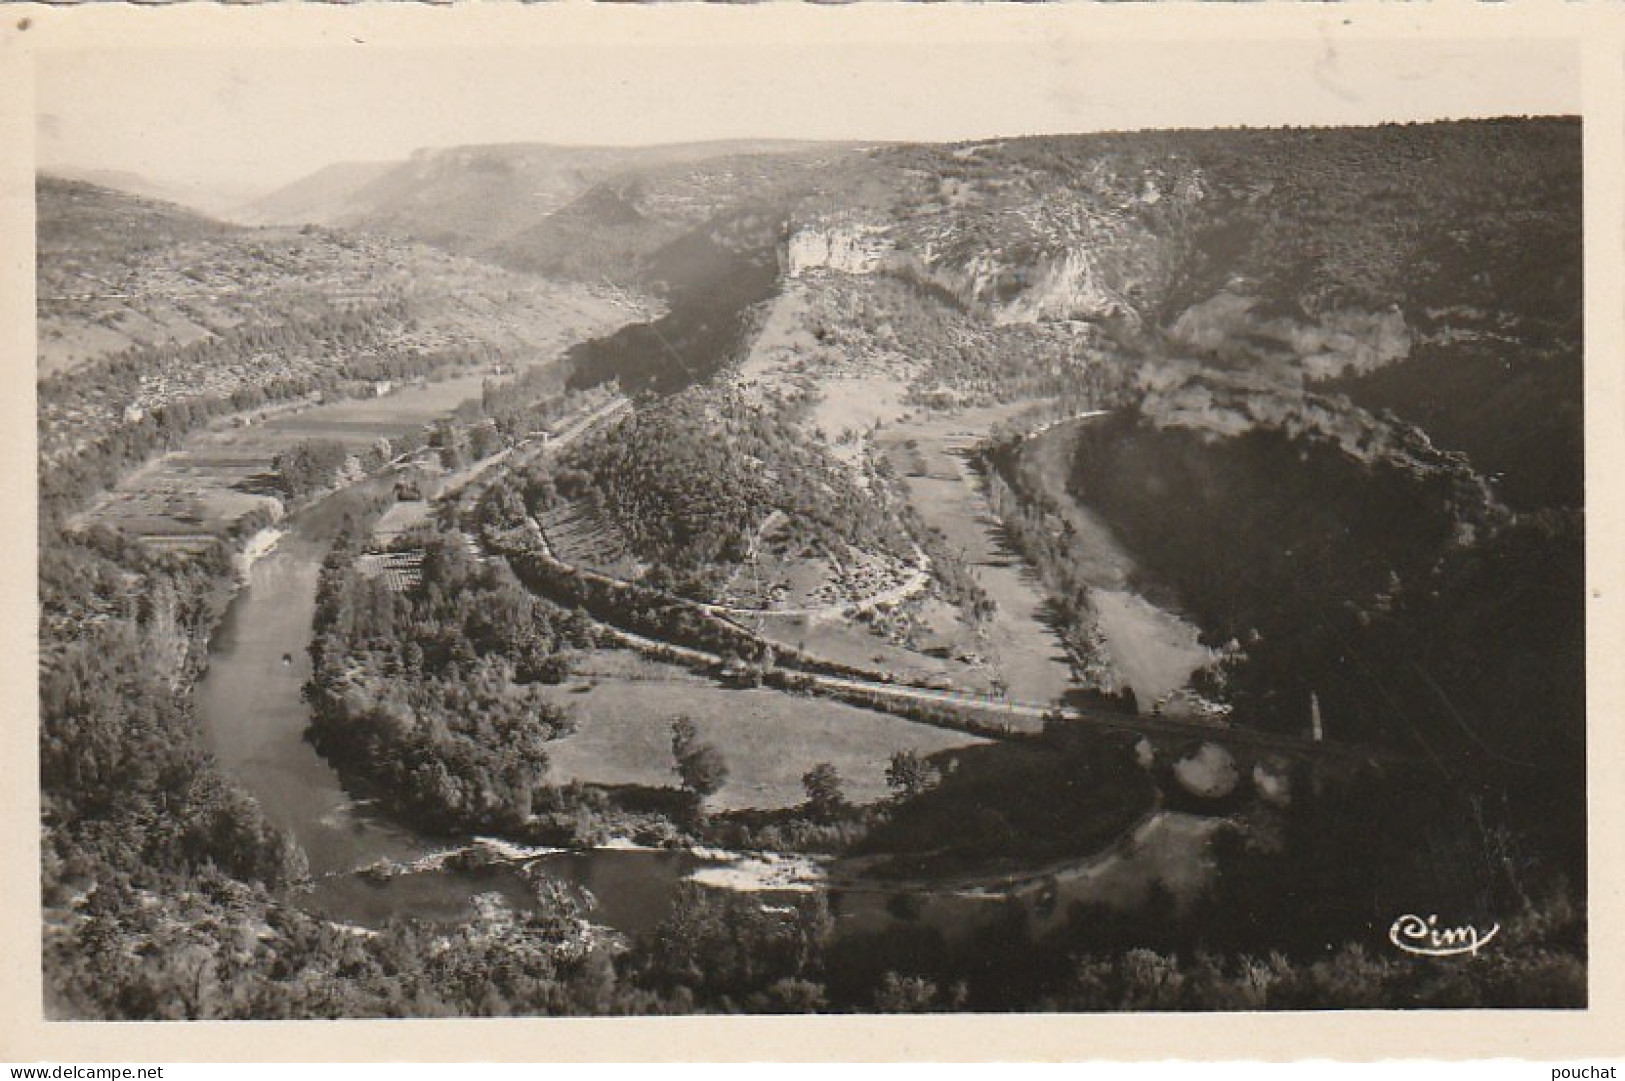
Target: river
[254,720]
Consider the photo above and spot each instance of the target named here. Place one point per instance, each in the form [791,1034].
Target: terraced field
[582,537]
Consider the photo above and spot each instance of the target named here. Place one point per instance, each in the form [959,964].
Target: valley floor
[770,739]
[1018,641]
[1151,649]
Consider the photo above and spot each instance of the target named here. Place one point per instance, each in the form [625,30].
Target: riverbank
[1121,640]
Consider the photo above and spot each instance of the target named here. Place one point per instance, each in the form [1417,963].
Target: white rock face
[1339,342]
[1064,286]
[1273,783]
[853,248]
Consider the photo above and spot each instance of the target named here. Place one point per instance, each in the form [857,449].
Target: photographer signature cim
[1424,937]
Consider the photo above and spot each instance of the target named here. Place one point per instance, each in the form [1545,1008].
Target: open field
[402,517]
[1099,556]
[1153,651]
[201,487]
[768,738]
[927,452]
[849,392]
[582,537]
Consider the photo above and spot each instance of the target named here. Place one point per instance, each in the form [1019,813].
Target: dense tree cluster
[699,765]
[122,774]
[309,465]
[210,947]
[432,693]
[688,480]
[729,952]
[825,799]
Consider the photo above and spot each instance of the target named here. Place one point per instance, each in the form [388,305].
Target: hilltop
[703,486]
[118,273]
[322,198]
[630,227]
[1205,237]
[218,200]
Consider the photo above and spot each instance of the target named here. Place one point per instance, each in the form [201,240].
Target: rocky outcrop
[1341,342]
[1067,285]
[1057,260]
[852,247]
[1347,343]
[1221,407]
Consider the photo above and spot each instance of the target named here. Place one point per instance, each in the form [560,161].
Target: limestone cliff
[1338,342]
[841,244]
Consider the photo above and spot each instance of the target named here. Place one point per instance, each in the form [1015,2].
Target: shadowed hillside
[1517,414]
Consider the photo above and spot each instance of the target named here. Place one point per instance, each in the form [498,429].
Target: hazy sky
[255,119]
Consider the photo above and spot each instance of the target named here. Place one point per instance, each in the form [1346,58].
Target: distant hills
[117,272]
[1289,254]
[218,201]
[1446,221]
[478,199]
[321,198]
[143,306]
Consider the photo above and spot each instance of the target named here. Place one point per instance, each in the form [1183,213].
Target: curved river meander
[254,720]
